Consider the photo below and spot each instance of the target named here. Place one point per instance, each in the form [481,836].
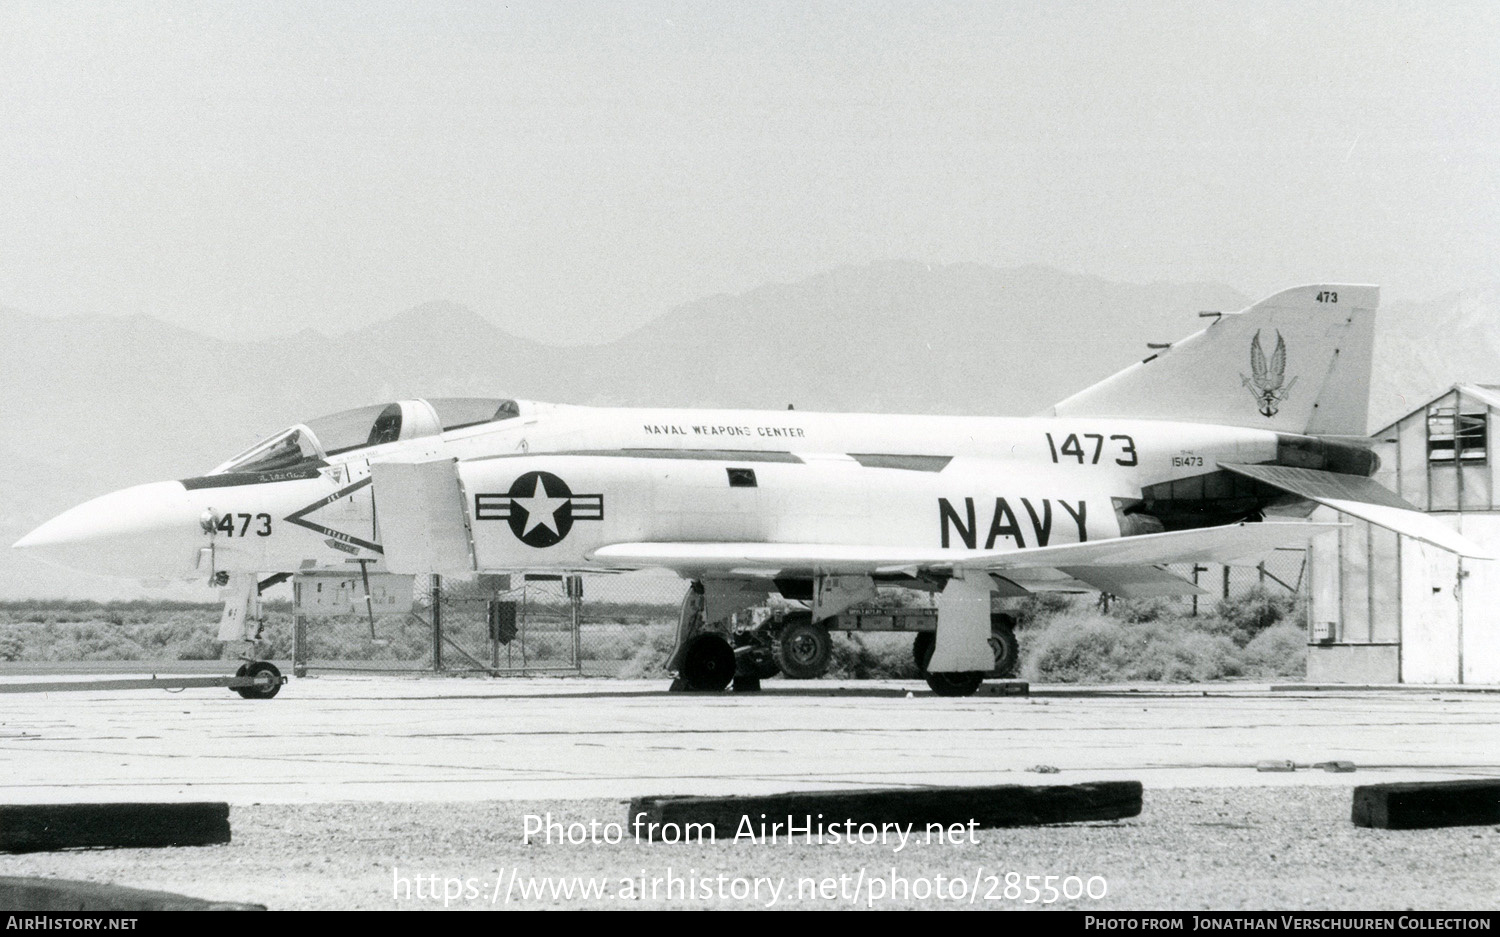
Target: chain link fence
[602,625]
[628,623]
[605,625]
[1284,572]
[614,625]
[334,626]
[511,625]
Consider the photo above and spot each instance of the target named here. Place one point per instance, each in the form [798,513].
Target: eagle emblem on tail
[1267,381]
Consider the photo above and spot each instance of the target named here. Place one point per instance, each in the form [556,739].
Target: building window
[1457,437]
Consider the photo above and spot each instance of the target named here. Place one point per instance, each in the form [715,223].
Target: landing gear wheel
[267,680]
[921,650]
[1003,645]
[955,684]
[803,648]
[1003,642]
[707,663]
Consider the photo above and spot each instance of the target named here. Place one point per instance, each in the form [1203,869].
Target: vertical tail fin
[1298,362]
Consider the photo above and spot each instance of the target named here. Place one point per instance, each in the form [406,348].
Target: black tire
[1007,649]
[267,680]
[921,650]
[707,663]
[803,648]
[955,684]
[1003,644]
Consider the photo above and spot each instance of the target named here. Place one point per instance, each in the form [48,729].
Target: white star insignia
[541,509]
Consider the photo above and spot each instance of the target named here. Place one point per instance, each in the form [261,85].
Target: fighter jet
[1210,449]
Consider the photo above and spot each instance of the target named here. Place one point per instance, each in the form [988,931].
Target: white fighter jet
[1213,449]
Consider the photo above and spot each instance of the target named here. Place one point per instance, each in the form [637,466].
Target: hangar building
[1388,609]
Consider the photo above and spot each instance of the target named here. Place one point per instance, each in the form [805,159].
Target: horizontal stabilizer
[1366,500]
[1316,485]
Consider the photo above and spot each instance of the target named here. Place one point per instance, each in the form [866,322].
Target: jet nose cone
[147,530]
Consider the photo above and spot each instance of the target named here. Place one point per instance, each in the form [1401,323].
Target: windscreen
[285,449]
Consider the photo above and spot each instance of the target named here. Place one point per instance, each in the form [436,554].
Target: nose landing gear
[268,680]
[255,679]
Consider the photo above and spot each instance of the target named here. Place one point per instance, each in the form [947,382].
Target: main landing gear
[707,663]
[1003,643]
[798,649]
[709,656]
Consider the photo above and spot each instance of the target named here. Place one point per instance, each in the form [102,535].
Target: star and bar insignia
[540,508]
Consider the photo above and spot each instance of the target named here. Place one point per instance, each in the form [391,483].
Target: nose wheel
[267,677]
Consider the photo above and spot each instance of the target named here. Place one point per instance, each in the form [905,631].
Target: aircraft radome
[1213,449]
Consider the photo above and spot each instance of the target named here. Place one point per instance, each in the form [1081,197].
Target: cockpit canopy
[363,427]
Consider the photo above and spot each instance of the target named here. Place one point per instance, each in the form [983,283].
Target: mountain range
[97,403]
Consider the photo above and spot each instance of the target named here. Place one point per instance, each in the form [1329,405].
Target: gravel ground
[1207,849]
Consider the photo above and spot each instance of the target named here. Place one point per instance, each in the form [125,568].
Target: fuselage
[545,485]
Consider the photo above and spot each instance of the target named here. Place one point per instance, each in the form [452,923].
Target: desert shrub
[617,641]
[1088,647]
[276,638]
[12,644]
[1278,651]
[649,657]
[1072,648]
[1039,608]
[162,638]
[1138,610]
[1173,651]
[548,646]
[202,645]
[1252,612]
[347,638]
[92,641]
[872,657]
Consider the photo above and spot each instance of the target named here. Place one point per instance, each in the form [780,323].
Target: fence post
[299,631]
[492,622]
[575,593]
[1226,580]
[437,623]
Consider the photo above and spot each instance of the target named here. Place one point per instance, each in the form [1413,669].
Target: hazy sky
[573,169]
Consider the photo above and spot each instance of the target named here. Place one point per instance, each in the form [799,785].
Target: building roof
[1489,393]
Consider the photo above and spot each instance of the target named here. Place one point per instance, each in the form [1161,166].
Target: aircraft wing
[1228,544]
[1126,563]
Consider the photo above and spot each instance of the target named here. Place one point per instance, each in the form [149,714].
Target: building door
[1429,614]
